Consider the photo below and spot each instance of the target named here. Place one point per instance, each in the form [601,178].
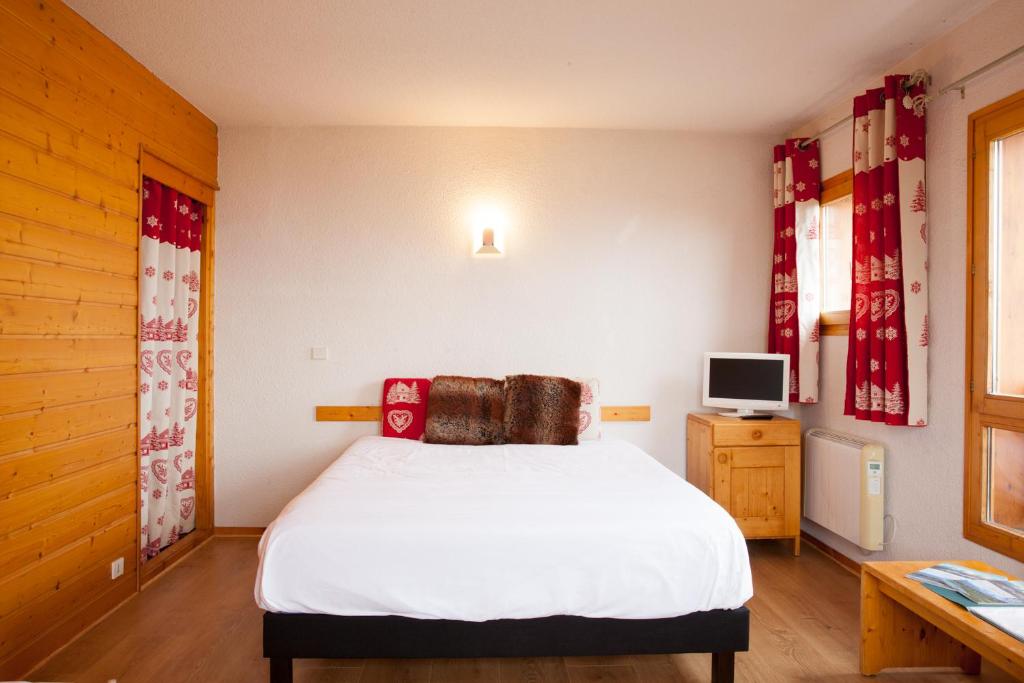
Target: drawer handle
[756,434]
[723,458]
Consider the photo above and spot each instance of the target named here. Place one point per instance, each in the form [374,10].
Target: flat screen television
[746,382]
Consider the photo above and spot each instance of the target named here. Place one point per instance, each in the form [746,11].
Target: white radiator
[844,486]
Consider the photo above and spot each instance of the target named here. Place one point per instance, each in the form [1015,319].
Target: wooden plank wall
[74,112]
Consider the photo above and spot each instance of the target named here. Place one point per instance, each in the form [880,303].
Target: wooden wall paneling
[68,103]
[30,635]
[22,509]
[48,463]
[24,122]
[41,540]
[24,200]
[75,112]
[46,170]
[40,316]
[32,44]
[51,354]
[48,573]
[124,130]
[43,427]
[28,239]
[19,277]
[59,25]
[74,610]
[34,391]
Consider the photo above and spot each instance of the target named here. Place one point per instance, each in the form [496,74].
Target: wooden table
[903,624]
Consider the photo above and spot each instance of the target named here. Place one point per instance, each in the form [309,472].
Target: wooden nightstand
[751,468]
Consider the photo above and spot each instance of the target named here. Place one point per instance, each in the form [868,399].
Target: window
[836,252]
[994,443]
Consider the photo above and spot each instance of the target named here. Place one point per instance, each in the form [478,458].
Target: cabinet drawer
[758,433]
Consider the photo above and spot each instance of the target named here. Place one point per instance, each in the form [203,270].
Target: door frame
[152,166]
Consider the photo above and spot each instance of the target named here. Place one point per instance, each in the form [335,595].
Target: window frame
[833,323]
[981,408]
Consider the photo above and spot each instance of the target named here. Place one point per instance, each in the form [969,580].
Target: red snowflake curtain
[887,362]
[795,304]
[168,381]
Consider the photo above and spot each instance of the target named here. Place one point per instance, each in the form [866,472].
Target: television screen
[748,379]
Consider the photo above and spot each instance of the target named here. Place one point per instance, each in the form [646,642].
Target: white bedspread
[487,532]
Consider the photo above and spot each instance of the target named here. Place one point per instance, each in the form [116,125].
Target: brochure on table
[992,597]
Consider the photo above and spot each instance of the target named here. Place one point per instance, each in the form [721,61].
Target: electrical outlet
[116,568]
[318,353]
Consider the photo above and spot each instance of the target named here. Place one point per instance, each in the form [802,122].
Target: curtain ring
[919,76]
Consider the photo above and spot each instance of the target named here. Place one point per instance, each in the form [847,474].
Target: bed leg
[280,670]
[723,665]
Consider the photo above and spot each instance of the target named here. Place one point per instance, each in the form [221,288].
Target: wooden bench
[903,624]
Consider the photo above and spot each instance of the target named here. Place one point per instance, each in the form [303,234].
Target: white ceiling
[739,65]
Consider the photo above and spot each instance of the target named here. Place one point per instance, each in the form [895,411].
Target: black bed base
[296,636]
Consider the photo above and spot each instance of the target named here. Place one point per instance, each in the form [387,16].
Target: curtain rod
[958,85]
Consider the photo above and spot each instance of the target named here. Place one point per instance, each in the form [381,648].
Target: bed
[406,549]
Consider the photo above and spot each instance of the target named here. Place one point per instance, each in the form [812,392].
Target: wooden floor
[199,622]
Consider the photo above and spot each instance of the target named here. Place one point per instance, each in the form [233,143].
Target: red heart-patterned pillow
[590,409]
[404,407]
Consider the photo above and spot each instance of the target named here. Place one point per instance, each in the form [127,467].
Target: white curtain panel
[168,363]
[795,309]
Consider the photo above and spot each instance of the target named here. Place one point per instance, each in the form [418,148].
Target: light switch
[318,353]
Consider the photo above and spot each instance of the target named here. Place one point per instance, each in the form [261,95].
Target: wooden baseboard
[239,530]
[847,563]
[170,556]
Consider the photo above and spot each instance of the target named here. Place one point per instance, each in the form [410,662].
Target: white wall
[629,254]
[925,465]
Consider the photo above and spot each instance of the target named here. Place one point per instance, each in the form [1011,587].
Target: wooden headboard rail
[372,413]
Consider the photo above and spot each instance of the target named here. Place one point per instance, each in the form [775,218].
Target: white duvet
[487,532]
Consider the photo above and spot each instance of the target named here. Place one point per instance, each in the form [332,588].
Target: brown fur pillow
[466,411]
[542,410]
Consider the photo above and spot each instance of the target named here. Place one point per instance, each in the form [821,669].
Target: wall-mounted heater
[844,486]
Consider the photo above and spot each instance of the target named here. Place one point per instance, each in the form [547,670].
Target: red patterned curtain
[795,310]
[887,361]
[172,226]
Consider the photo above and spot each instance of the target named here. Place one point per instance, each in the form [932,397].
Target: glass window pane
[837,261]
[1005,478]
[1006,254]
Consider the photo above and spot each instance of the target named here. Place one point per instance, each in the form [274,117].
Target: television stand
[746,414]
